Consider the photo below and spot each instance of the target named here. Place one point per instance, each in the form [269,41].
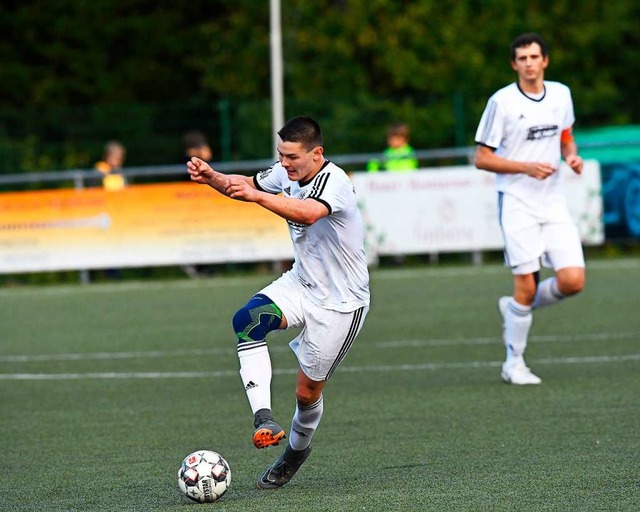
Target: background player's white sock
[547,293]
[304,424]
[517,322]
[255,371]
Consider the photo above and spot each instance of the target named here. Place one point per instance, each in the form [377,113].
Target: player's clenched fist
[201,172]
[575,162]
[198,169]
[539,170]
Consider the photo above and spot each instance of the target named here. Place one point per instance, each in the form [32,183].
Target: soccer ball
[204,476]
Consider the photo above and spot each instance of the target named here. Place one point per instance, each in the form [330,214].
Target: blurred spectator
[196,144]
[112,180]
[110,165]
[399,155]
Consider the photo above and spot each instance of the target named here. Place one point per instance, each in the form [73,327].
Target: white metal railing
[80,177]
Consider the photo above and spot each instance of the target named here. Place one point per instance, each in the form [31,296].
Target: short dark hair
[527,39]
[194,139]
[302,129]
[399,129]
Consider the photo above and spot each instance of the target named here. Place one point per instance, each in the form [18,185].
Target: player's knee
[307,396]
[256,319]
[308,391]
[572,286]
[571,281]
[241,321]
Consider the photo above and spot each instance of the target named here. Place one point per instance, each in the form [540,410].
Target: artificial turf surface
[105,388]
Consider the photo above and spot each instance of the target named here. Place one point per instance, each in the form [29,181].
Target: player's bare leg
[309,408]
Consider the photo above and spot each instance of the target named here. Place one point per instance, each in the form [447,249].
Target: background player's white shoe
[518,373]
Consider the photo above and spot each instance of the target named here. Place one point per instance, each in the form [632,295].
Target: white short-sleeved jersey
[330,262]
[524,129]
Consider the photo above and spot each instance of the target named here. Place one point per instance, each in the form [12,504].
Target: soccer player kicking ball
[326,292]
[524,132]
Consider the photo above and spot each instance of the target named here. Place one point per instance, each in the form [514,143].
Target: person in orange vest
[110,165]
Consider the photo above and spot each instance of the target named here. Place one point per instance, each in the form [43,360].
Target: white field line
[351,369]
[569,338]
[106,356]
[491,269]
[159,354]
[230,282]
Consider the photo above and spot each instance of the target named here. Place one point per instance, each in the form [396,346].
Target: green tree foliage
[357,65]
[72,52]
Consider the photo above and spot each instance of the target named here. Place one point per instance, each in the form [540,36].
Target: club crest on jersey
[542,132]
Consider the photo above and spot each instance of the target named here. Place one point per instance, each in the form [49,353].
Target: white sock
[255,372]
[547,293]
[304,424]
[517,322]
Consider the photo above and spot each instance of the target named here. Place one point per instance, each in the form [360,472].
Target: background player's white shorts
[531,234]
[326,335]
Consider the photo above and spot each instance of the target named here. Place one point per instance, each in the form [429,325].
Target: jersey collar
[305,183]
[544,93]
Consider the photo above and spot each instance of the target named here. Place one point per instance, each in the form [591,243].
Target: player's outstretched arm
[300,211]
[242,188]
[201,172]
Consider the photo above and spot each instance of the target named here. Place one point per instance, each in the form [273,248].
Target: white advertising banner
[454,209]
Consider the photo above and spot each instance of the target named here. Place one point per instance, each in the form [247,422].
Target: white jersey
[524,129]
[330,262]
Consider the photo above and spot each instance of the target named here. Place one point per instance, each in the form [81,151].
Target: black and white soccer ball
[204,476]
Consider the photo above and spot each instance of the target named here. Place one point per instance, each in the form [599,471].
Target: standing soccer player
[326,292]
[525,130]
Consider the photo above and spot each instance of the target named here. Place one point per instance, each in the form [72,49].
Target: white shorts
[531,235]
[326,335]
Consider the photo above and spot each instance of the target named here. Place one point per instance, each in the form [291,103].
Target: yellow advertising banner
[140,225]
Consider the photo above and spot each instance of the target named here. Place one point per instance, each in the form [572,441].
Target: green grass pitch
[105,388]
